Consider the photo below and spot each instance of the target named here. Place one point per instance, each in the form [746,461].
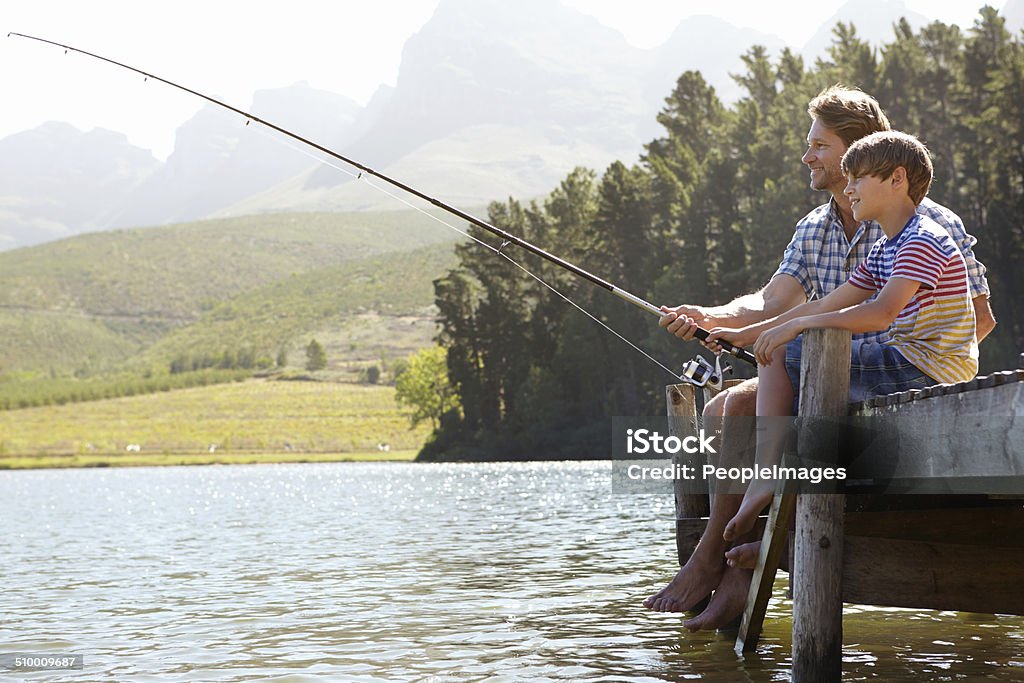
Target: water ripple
[383,572]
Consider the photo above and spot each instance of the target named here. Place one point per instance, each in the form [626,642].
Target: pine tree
[316,357]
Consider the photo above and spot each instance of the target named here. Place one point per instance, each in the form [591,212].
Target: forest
[703,217]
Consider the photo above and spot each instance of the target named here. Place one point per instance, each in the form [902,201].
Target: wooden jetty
[962,552]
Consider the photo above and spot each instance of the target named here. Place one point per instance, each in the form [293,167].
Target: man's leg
[703,571]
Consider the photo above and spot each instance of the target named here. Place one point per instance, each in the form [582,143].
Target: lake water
[394,572]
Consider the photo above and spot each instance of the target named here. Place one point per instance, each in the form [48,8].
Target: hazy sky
[229,48]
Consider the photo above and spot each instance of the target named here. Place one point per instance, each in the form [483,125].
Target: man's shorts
[875,370]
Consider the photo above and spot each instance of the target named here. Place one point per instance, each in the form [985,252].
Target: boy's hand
[741,337]
[773,338]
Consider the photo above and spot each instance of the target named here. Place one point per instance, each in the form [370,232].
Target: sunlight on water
[382,572]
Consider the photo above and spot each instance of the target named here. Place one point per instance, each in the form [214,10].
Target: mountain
[218,159]
[492,99]
[711,46]
[56,180]
[873,19]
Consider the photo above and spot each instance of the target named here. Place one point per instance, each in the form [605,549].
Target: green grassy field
[253,421]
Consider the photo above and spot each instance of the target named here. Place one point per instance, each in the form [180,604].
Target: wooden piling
[681,400]
[818,556]
[691,507]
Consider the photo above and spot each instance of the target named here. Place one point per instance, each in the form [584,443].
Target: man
[827,245]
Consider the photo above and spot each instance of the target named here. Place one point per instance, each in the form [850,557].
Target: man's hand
[682,321]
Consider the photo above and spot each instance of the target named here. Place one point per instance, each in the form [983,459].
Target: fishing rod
[507,237]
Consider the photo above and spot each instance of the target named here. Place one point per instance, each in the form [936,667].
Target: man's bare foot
[688,587]
[727,602]
[746,517]
[743,556]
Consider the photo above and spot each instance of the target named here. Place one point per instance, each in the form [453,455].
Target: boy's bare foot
[688,587]
[743,556]
[727,602]
[746,516]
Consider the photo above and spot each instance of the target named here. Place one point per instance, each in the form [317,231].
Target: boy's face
[868,195]
[825,150]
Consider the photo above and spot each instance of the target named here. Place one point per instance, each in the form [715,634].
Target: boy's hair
[879,154]
[850,114]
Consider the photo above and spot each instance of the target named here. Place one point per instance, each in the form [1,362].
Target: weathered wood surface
[961,434]
[681,402]
[984,382]
[1000,526]
[931,575]
[966,559]
[773,544]
[962,559]
[818,555]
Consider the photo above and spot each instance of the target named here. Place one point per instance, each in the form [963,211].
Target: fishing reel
[700,373]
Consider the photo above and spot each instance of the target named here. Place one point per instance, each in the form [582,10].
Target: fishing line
[496,250]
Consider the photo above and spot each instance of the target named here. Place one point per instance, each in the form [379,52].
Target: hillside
[88,304]
[390,296]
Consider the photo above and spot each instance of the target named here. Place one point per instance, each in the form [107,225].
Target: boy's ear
[899,176]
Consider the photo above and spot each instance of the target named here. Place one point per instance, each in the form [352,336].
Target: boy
[920,277]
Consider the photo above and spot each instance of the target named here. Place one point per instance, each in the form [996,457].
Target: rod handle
[737,351]
[700,333]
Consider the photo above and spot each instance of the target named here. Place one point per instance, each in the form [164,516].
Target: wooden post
[681,400]
[684,421]
[817,595]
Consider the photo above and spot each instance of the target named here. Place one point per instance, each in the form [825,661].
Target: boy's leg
[875,370]
[880,369]
[774,404]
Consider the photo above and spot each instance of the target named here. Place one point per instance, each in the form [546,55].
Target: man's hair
[879,154]
[850,114]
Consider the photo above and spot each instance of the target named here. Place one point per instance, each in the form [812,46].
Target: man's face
[824,151]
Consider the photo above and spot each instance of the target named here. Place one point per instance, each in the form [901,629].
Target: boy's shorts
[875,370]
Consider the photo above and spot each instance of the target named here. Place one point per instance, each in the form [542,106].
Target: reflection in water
[377,572]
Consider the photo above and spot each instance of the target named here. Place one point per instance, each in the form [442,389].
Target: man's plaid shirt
[821,258]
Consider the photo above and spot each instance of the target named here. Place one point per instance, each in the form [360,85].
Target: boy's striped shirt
[935,330]
[820,257]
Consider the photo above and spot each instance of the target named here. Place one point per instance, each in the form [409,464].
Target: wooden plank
[924,575]
[817,576]
[973,434]
[999,526]
[773,543]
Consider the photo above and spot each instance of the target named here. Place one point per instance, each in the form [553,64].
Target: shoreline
[78,461]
